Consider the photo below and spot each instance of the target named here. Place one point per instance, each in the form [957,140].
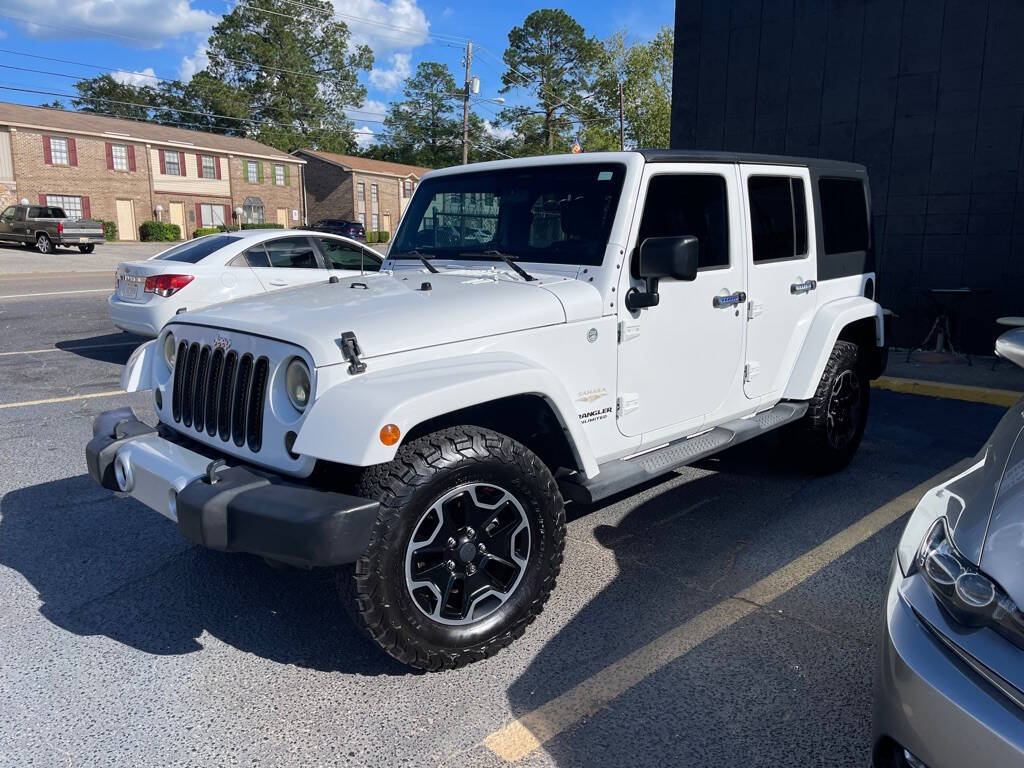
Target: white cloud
[385,25]
[365,136]
[391,79]
[194,63]
[145,23]
[448,12]
[498,132]
[136,78]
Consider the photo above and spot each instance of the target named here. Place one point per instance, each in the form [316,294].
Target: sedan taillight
[167,285]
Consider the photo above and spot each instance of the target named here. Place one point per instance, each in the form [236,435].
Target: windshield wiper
[419,255]
[508,258]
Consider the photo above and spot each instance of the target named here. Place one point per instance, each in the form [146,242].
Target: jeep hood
[405,311]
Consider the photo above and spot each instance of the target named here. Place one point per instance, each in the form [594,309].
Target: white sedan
[227,266]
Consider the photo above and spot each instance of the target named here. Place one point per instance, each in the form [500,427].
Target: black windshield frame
[547,214]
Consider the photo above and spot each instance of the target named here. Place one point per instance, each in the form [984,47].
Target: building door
[282,217]
[125,210]
[178,217]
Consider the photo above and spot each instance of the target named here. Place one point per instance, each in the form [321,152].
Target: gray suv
[46,226]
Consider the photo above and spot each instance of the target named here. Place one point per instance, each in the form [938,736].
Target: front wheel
[465,551]
[44,244]
[831,431]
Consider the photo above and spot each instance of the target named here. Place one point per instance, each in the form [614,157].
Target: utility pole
[622,134]
[465,104]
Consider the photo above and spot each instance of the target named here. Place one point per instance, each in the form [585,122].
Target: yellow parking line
[972,394]
[67,399]
[530,731]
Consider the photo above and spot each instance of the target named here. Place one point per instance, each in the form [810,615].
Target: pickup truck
[629,313]
[46,226]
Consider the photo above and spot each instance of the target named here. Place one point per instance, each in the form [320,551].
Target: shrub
[265,225]
[109,230]
[202,231]
[371,236]
[158,231]
[383,236]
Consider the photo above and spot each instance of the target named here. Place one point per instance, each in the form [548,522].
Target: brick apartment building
[129,172]
[373,192]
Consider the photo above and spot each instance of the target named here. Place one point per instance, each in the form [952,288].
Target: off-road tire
[421,473]
[87,248]
[819,448]
[44,244]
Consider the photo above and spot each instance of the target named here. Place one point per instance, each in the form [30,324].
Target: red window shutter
[199,216]
[42,199]
[163,162]
[72,152]
[227,213]
[110,156]
[216,168]
[47,157]
[181,163]
[86,211]
[131,157]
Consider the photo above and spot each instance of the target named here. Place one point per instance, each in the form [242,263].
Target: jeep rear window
[557,214]
[844,215]
[199,249]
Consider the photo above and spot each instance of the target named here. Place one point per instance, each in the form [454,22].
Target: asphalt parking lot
[725,616]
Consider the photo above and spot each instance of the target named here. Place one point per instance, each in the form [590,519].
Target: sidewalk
[958,381]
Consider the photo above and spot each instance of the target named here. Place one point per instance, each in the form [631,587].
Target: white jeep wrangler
[543,329]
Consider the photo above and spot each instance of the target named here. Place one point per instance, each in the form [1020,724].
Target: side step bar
[620,474]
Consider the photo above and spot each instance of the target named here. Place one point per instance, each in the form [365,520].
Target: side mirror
[1011,346]
[660,257]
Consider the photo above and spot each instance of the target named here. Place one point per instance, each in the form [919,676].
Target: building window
[374,222]
[279,175]
[212,215]
[361,218]
[407,188]
[208,169]
[119,154]
[252,211]
[361,195]
[172,164]
[373,194]
[72,204]
[252,171]
[58,151]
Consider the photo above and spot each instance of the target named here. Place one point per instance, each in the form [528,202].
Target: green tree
[552,58]
[422,128]
[645,72]
[106,96]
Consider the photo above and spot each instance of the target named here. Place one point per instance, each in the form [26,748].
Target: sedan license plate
[128,290]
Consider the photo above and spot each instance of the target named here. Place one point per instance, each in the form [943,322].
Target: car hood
[986,508]
[403,311]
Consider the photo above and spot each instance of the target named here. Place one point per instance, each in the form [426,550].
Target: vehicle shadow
[105,565]
[779,687]
[107,348]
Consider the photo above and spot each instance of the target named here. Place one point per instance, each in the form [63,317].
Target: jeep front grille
[223,394]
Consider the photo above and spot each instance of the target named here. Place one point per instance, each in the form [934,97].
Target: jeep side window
[844,215]
[778,217]
[689,204]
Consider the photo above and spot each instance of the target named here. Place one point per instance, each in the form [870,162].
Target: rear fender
[828,323]
[344,423]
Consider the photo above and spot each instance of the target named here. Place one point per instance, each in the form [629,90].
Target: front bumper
[928,700]
[241,510]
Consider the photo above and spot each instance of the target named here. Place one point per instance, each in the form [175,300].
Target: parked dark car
[44,227]
[949,685]
[343,227]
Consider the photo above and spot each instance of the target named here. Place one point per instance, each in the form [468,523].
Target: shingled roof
[46,118]
[366,164]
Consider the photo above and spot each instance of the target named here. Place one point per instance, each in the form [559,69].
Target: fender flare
[828,323]
[344,422]
[137,374]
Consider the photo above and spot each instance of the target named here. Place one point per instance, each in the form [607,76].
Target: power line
[336,14]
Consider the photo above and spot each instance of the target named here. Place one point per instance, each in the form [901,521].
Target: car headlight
[967,594]
[170,350]
[296,381]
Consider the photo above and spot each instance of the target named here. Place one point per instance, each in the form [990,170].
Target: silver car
[949,688]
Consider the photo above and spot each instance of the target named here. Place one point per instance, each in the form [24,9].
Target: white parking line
[71,349]
[56,293]
[67,399]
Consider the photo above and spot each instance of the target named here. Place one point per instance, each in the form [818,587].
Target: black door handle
[722,302]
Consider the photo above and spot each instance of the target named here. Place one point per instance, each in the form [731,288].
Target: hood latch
[350,351]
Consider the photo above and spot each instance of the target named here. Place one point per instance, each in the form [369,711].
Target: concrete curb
[967,392]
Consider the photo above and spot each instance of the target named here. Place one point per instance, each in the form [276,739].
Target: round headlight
[169,350]
[296,382]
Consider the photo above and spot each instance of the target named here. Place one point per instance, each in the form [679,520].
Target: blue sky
[165,38]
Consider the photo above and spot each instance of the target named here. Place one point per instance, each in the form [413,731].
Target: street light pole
[465,105]
[622,137]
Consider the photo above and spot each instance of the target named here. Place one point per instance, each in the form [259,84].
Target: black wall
[928,94]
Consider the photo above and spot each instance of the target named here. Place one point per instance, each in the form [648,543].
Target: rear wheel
[87,248]
[831,431]
[465,551]
[43,243]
